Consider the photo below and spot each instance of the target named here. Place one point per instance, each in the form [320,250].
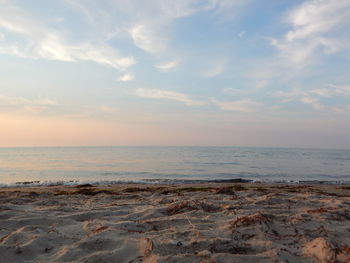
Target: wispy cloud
[314,102]
[14,100]
[168,95]
[168,66]
[305,97]
[342,109]
[314,97]
[100,25]
[216,69]
[262,84]
[182,8]
[149,34]
[246,92]
[241,34]
[34,105]
[126,77]
[333,90]
[317,25]
[108,109]
[290,95]
[43,42]
[146,38]
[246,105]
[234,91]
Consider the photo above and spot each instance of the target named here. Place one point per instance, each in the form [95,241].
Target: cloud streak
[168,95]
[314,97]
[168,66]
[245,105]
[216,69]
[26,105]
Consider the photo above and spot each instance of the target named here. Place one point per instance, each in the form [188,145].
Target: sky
[187,72]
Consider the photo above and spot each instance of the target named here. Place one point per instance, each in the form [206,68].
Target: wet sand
[176,223]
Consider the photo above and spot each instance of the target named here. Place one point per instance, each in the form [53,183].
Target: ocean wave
[166,181]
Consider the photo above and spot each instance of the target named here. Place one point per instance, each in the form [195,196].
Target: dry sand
[197,223]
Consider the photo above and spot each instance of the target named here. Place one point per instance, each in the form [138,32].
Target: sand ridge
[183,223]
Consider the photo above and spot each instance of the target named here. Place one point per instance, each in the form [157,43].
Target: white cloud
[323,92]
[42,42]
[168,95]
[126,77]
[145,23]
[290,95]
[306,97]
[216,69]
[333,90]
[317,16]
[317,25]
[145,38]
[314,102]
[168,66]
[301,53]
[314,97]
[246,105]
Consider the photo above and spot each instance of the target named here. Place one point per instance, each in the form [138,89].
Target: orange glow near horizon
[59,131]
[28,130]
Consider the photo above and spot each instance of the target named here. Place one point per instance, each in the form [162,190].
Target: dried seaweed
[249,220]
[318,210]
[225,191]
[84,185]
[186,206]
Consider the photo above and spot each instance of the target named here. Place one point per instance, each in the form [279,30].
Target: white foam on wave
[162,181]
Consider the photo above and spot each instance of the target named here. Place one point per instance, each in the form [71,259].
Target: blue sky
[186,72]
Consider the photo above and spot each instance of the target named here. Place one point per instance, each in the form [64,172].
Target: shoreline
[38,183]
[120,187]
[212,222]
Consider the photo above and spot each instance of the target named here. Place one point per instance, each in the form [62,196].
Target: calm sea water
[119,164]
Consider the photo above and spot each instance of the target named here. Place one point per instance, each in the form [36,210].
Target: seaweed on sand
[87,191]
[93,191]
[144,189]
[230,190]
[249,220]
[185,206]
[84,185]
[190,189]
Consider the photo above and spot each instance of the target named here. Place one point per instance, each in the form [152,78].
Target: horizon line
[150,145]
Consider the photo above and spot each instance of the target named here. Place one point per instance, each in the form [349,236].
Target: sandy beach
[176,223]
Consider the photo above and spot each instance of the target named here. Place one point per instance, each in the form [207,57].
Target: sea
[152,165]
